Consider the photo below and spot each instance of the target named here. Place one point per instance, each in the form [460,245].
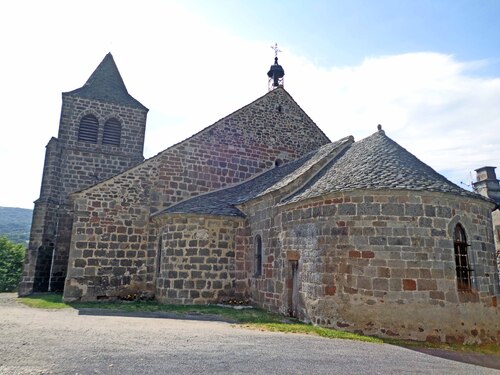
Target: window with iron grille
[112,132]
[258,255]
[461,258]
[87,132]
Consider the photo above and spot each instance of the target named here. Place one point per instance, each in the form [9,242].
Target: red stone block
[330,290]
[368,254]
[354,254]
[409,284]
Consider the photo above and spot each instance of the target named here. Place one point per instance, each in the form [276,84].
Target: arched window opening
[461,258]
[258,255]
[87,131]
[112,132]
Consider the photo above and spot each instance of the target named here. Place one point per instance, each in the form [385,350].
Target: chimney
[487,183]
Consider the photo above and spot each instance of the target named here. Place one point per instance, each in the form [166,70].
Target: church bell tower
[101,134]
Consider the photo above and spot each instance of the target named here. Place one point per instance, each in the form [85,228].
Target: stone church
[262,206]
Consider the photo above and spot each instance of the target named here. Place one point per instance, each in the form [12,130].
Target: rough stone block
[409,284]
[393,209]
[426,284]
[369,209]
[380,284]
[414,210]
[346,209]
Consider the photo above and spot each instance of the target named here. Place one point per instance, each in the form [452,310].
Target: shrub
[11,264]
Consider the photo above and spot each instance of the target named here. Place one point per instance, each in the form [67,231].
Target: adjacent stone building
[262,206]
[488,185]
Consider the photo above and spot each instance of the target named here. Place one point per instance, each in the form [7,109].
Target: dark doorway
[43,268]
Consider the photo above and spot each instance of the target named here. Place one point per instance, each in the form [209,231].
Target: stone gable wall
[380,263]
[234,149]
[197,259]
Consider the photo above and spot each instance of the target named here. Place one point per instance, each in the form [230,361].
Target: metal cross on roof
[276,50]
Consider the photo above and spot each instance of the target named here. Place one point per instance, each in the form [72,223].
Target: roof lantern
[276,72]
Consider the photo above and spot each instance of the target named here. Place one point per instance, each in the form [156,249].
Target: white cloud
[429,103]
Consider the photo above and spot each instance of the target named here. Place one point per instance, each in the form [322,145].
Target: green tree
[11,264]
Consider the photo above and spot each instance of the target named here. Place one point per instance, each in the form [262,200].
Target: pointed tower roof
[106,84]
[378,163]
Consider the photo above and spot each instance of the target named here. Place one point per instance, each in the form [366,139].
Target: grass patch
[312,330]
[250,318]
[54,301]
[44,301]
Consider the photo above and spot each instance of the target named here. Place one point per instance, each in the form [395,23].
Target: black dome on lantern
[276,71]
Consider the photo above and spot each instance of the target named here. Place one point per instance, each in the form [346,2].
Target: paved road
[35,341]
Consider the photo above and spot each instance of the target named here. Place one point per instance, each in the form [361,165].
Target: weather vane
[276,50]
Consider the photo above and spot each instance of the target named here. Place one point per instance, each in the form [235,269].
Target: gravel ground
[37,341]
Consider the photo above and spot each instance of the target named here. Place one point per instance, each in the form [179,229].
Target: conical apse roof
[379,163]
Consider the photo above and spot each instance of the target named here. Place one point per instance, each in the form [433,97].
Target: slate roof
[106,84]
[223,202]
[378,163]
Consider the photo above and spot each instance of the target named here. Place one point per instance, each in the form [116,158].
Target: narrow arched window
[112,132]
[258,256]
[461,258]
[87,132]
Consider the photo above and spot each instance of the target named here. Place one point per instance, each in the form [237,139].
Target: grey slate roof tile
[379,163]
[106,84]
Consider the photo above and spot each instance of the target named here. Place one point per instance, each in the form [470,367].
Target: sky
[427,71]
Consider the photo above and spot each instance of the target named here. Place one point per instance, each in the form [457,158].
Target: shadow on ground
[152,314]
[478,359]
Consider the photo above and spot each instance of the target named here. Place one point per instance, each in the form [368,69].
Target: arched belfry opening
[276,72]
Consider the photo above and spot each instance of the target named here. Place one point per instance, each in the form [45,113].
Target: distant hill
[15,223]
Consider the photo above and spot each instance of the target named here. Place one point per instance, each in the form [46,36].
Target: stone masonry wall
[132,120]
[70,166]
[36,270]
[383,263]
[232,150]
[496,229]
[268,288]
[196,259]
